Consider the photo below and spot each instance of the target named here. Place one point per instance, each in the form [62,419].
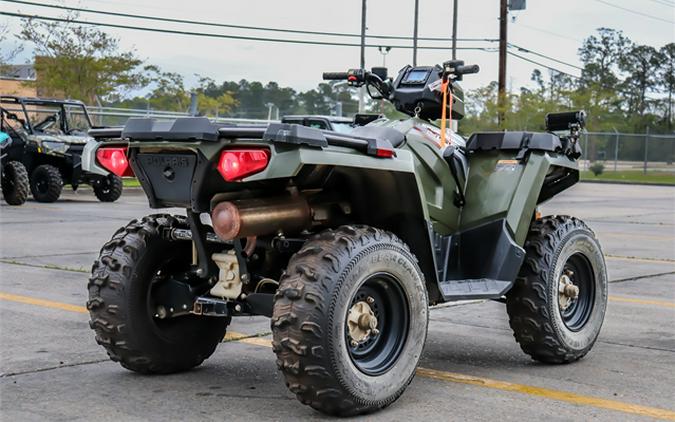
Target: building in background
[14,78]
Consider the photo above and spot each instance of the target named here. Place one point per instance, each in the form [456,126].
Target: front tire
[121,307]
[14,183]
[563,260]
[108,188]
[337,279]
[46,183]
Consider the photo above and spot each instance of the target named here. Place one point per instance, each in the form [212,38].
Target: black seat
[395,137]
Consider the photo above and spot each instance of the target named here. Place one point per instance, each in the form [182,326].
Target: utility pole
[454,29]
[362,105]
[417,12]
[503,25]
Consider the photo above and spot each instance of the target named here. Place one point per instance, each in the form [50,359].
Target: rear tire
[108,188]
[46,183]
[549,326]
[14,183]
[120,301]
[332,273]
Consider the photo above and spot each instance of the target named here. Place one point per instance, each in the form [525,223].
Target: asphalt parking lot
[51,368]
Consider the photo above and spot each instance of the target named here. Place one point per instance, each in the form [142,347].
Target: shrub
[597,168]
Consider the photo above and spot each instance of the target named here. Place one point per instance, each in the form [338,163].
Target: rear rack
[202,129]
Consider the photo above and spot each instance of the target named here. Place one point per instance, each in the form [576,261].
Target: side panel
[499,186]
[437,184]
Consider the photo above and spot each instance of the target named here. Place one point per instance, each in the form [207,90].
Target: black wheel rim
[378,353]
[576,315]
[104,185]
[41,185]
[169,268]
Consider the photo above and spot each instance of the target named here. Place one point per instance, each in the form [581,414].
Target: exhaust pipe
[258,217]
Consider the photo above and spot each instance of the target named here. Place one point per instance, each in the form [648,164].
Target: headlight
[54,146]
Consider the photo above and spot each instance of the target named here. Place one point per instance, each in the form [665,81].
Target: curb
[619,182]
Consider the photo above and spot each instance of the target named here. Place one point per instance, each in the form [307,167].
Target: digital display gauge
[416,76]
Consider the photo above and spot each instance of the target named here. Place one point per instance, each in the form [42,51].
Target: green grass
[130,182]
[631,176]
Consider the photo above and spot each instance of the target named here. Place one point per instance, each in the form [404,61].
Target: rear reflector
[114,159]
[384,153]
[235,164]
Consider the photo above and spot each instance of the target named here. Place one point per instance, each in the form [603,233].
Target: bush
[597,168]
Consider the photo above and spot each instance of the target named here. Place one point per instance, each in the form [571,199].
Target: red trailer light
[235,164]
[114,159]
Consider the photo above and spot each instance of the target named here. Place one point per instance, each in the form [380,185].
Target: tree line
[624,86]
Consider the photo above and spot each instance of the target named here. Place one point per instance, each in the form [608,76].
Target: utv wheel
[46,183]
[557,305]
[350,320]
[121,302]
[14,183]
[108,188]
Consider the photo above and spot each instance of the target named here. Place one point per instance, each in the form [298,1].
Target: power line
[279,40]
[541,64]
[225,25]
[664,2]
[636,12]
[212,35]
[525,50]
[545,31]
[304,32]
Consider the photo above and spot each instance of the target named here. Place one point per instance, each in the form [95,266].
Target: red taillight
[114,159]
[235,164]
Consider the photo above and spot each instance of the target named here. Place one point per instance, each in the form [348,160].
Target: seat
[395,137]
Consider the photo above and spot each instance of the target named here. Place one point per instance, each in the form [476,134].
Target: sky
[554,28]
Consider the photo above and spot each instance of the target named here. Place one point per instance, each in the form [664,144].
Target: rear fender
[383,193]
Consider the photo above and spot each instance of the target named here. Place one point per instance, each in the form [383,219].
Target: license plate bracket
[169,175]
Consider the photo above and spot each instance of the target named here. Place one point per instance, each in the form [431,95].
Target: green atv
[344,241]
[47,137]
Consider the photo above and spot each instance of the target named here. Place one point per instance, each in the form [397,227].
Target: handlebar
[335,76]
[468,69]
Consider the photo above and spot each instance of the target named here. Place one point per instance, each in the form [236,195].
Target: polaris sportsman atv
[345,241]
[48,137]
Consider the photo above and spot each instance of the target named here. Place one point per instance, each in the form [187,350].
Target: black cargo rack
[201,129]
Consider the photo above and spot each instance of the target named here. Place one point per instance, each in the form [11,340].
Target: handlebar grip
[468,69]
[335,76]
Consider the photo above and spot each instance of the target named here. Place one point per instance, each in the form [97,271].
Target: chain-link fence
[628,152]
[110,116]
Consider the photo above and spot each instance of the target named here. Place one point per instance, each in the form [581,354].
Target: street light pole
[384,51]
[362,105]
[417,11]
[454,29]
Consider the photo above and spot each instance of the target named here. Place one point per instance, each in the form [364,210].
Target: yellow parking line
[564,396]
[642,301]
[255,340]
[577,399]
[42,302]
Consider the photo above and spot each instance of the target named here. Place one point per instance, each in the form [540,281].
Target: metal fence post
[586,151]
[616,148]
[644,169]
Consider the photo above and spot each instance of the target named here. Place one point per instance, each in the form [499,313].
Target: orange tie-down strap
[444,111]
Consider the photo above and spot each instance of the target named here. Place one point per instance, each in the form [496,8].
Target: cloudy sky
[551,27]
